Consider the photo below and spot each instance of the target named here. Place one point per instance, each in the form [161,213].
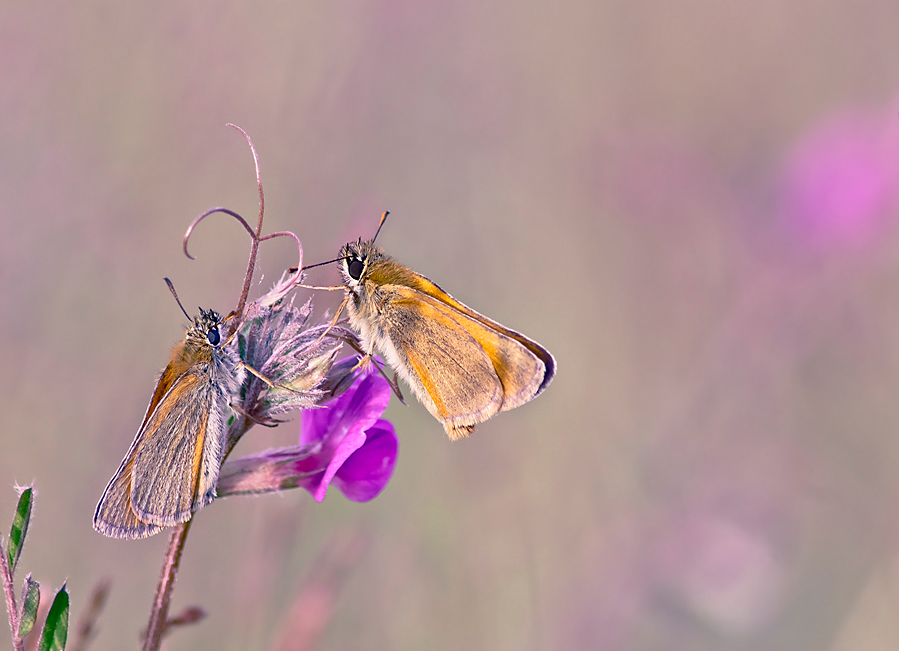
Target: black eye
[213,337]
[355,269]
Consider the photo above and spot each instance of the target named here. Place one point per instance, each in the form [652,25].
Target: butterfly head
[205,327]
[356,260]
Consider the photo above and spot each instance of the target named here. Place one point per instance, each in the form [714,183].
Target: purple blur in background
[841,178]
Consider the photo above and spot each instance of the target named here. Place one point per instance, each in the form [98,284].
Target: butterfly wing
[172,466]
[441,361]
[462,370]
[518,391]
[114,516]
[176,460]
[521,373]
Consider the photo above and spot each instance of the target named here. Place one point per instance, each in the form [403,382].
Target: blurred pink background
[693,206]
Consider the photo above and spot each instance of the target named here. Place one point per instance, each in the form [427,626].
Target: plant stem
[254,248]
[156,628]
[10,590]
[160,613]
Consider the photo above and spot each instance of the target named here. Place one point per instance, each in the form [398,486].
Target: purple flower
[356,447]
[345,442]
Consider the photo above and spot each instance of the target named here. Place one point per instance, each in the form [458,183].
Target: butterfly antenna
[383,219]
[320,264]
[317,264]
[175,294]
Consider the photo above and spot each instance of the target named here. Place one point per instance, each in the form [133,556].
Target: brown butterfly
[462,366]
[172,467]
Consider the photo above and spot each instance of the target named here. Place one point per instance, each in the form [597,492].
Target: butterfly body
[172,467]
[463,367]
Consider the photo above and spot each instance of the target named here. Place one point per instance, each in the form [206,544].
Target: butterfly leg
[336,317]
[367,358]
[271,385]
[268,422]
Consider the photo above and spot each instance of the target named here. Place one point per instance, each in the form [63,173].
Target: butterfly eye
[213,337]
[355,269]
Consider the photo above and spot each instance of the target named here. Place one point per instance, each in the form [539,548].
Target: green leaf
[31,600]
[19,527]
[56,628]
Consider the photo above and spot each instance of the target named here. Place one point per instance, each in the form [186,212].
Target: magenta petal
[311,484]
[363,403]
[366,472]
[354,440]
[339,428]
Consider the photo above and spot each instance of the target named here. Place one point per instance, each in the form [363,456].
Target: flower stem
[10,590]
[160,613]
